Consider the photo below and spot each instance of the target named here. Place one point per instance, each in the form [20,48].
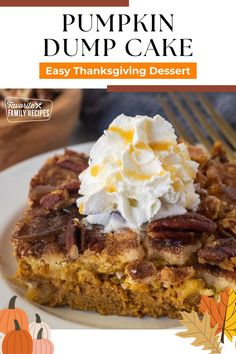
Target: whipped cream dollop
[137,173]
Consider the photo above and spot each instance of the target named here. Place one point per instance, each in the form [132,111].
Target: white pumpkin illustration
[35,326]
[1,340]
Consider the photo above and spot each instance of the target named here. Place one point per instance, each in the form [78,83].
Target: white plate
[14,183]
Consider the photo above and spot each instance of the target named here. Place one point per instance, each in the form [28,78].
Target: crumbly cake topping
[203,241]
[158,272]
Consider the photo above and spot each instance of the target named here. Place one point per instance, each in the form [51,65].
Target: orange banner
[117,70]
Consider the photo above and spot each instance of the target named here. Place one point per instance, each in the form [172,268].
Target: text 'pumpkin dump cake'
[147,228]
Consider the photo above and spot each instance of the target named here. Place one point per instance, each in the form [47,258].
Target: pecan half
[55,200]
[92,239]
[73,163]
[180,226]
[71,187]
[40,191]
[45,227]
[139,270]
[203,270]
[72,238]
[48,235]
[172,234]
[218,251]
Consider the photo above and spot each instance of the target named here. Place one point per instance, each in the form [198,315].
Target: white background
[211,25]
[126,342]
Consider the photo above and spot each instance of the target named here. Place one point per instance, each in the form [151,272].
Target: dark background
[99,108]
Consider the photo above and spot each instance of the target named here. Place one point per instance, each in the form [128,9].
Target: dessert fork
[205,124]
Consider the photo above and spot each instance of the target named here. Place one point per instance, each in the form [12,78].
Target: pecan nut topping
[45,227]
[180,226]
[73,163]
[219,250]
[55,200]
[71,187]
[139,270]
[72,238]
[38,192]
[79,239]
[92,240]
[48,235]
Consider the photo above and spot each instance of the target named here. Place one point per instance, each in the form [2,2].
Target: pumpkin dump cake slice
[155,228]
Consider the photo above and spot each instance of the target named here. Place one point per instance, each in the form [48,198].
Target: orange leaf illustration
[222,313]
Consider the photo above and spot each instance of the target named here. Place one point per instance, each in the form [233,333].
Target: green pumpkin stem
[17,326]
[40,334]
[12,303]
[38,319]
